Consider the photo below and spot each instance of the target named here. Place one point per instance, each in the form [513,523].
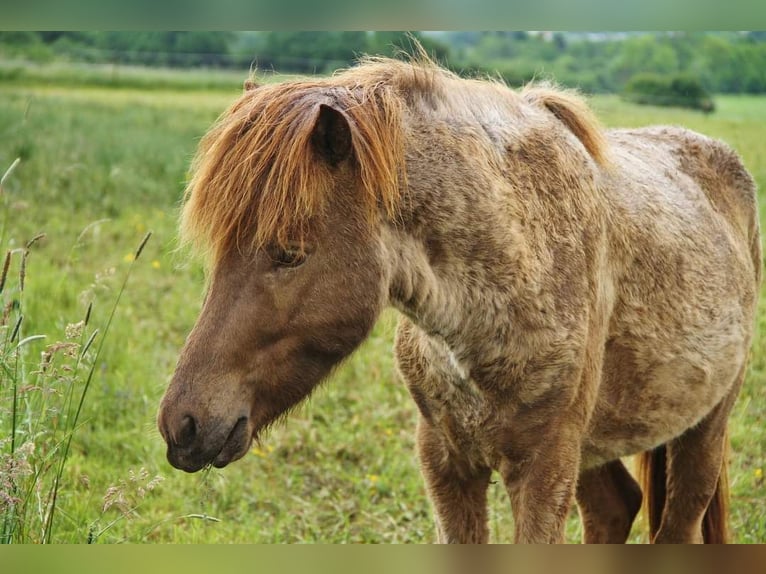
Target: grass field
[99,168]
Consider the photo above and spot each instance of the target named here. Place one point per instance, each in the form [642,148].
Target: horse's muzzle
[192,446]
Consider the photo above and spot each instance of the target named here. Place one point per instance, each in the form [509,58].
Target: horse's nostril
[186,432]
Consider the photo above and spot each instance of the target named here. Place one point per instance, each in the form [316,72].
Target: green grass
[78,75]
[116,76]
[99,168]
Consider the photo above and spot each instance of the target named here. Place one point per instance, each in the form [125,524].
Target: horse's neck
[418,287]
[445,278]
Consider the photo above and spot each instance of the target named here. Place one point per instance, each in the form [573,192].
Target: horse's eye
[287,257]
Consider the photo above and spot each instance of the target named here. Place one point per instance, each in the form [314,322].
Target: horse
[568,295]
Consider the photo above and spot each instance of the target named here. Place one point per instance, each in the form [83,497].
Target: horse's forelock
[256,179]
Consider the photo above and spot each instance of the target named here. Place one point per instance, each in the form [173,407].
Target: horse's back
[681,197]
[681,168]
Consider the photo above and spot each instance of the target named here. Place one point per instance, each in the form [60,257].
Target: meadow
[101,166]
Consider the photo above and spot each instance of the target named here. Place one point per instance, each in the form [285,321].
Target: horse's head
[297,278]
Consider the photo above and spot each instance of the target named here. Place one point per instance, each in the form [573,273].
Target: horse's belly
[648,397]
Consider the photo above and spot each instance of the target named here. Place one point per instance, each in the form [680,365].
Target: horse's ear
[249,85]
[332,135]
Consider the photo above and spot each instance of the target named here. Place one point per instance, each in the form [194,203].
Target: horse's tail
[652,474]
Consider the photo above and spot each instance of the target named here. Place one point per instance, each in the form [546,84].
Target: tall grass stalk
[84,392]
[3,179]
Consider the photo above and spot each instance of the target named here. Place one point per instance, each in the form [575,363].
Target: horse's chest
[462,420]
[452,402]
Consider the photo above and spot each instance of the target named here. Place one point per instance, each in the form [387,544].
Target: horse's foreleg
[457,489]
[541,486]
[608,499]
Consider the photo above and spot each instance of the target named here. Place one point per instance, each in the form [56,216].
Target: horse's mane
[256,180]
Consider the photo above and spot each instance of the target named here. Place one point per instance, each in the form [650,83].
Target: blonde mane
[257,180]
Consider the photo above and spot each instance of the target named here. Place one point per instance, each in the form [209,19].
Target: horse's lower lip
[236,445]
[185,463]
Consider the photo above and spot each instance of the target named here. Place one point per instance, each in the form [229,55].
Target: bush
[679,91]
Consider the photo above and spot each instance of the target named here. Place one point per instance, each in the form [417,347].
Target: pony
[569,295]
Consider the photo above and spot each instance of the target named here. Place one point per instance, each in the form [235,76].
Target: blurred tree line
[301,52]
[723,62]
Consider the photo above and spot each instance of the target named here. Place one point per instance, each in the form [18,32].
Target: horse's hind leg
[458,490]
[608,499]
[695,465]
